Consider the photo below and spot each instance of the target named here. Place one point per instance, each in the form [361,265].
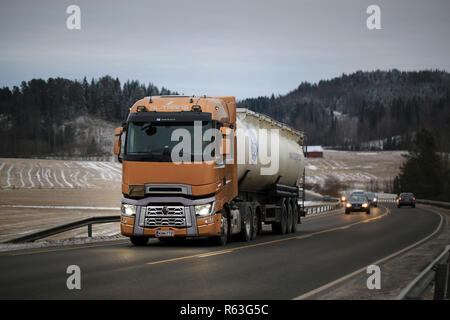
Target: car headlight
[364,205]
[348,205]
[128,210]
[375,200]
[343,198]
[204,210]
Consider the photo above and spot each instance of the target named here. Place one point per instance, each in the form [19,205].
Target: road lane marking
[378,262]
[213,254]
[387,211]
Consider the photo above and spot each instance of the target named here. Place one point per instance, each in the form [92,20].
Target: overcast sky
[228,47]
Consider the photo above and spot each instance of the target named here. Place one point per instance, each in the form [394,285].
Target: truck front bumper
[146,223]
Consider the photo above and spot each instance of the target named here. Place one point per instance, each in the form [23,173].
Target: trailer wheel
[248,226]
[139,241]
[290,218]
[295,218]
[224,230]
[255,224]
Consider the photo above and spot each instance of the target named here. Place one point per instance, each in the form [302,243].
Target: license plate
[162,233]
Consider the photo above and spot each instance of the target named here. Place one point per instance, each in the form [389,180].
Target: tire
[347,212]
[290,218]
[413,206]
[224,226]
[295,219]
[139,241]
[255,225]
[247,230]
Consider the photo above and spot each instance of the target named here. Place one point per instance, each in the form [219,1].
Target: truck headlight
[204,210]
[128,210]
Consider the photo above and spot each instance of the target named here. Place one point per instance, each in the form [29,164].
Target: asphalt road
[272,267]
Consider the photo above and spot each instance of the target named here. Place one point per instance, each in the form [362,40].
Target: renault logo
[165,210]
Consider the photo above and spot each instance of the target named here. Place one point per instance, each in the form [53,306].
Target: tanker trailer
[255,176]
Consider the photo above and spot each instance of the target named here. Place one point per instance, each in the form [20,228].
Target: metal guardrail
[65,227]
[441,204]
[310,210]
[321,208]
[437,273]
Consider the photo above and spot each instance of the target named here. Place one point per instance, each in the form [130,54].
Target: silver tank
[288,152]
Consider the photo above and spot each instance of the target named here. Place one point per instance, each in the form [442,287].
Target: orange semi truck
[235,170]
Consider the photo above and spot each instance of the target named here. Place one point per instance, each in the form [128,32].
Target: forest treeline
[366,110]
[37,118]
[363,110]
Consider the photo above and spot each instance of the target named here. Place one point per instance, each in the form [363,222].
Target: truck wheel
[223,238]
[295,219]
[139,241]
[290,218]
[255,225]
[248,226]
[284,218]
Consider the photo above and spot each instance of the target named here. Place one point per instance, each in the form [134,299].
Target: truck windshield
[151,141]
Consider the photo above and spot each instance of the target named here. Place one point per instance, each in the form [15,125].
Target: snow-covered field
[37,194]
[355,169]
[51,174]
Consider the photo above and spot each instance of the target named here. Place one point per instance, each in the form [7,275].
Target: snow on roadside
[59,243]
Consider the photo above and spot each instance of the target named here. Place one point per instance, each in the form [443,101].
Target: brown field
[355,170]
[30,189]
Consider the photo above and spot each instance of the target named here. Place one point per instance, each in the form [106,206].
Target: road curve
[326,248]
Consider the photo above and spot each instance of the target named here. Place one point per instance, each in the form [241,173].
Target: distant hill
[366,110]
[63,118]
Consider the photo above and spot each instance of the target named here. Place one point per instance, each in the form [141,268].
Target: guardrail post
[90,230]
[441,281]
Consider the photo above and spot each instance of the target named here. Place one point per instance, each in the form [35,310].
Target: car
[357,202]
[406,199]
[372,197]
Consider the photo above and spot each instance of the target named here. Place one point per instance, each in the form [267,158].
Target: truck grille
[165,222]
[167,216]
[165,211]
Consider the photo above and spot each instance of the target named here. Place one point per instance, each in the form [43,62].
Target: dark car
[406,199]
[372,197]
[357,202]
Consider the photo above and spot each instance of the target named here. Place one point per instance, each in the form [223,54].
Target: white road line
[330,284]
[213,253]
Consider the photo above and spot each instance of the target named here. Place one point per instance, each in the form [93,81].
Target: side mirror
[226,141]
[118,143]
